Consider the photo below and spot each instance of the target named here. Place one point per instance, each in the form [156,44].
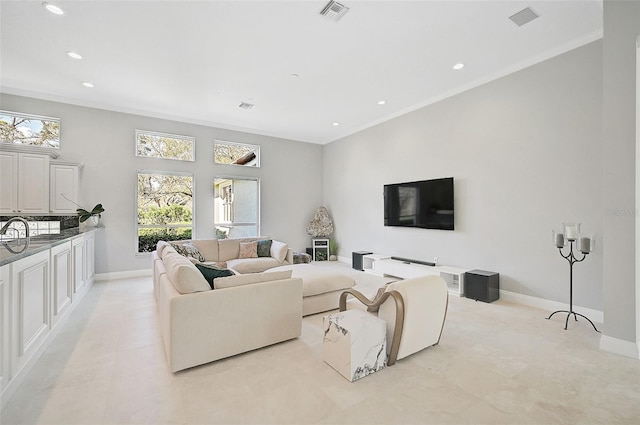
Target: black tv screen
[427,204]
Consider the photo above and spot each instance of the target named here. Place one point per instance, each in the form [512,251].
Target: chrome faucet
[4,229]
[7,226]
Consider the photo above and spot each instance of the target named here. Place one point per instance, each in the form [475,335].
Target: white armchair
[414,310]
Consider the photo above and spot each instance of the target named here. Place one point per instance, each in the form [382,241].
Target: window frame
[256,149]
[191,139]
[150,226]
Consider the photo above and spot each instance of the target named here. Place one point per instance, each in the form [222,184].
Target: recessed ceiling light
[382,102]
[74,55]
[458,66]
[56,10]
[87,84]
[335,124]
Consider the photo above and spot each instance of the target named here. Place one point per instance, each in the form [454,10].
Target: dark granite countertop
[39,243]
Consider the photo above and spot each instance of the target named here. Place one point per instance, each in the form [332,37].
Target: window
[236,154]
[167,146]
[165,208]
[237,207]
[30,130]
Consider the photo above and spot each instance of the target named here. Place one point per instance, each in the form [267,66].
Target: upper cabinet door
[64,181]
[33,183]
[8,182]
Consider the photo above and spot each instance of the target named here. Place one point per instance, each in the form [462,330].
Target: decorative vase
[93,221]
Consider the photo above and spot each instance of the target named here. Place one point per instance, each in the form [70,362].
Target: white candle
[571,231]
[559,240]
[585,245]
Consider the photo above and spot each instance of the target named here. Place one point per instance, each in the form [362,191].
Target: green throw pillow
[210,272]
[264,248]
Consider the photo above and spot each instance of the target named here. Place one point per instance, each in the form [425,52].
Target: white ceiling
[196,61]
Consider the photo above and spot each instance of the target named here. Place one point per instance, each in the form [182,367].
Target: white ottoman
[321,287]
[354,343]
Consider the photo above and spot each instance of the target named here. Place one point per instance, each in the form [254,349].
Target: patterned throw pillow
[248,250]
[264,248]
[210,272]
[188,250]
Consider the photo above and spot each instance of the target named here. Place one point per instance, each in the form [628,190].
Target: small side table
[355,343]
[320,249]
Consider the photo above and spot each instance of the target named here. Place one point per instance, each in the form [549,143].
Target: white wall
[525,152]
[621,29]
[104,142]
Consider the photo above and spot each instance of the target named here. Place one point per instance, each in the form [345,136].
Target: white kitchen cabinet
[78,258]
[61,281]
[25,183]
[63,181]
[8,182]
[30,314]
[89,257]
[33,183]
[37,295]
[4,325]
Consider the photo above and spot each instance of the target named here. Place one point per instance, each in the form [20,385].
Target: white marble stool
[355,343]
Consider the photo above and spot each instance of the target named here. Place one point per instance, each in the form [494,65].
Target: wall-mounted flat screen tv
[427,204]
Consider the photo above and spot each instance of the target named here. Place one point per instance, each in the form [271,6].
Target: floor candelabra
[585,245]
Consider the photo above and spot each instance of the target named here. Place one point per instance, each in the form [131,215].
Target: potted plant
[93,216]
[333,249]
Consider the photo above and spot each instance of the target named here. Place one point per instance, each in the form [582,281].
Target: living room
[550,142]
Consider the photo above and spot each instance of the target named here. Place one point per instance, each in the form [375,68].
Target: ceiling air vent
[525,16]
[334,11]
[245,105]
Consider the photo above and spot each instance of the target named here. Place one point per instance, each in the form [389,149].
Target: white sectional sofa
[242,312]
[228,253]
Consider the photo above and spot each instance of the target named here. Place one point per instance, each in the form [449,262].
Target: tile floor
[498,363]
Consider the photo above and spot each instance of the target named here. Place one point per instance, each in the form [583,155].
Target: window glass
[237,207]
[167,146]
[30,130]
[236,154]
[165,208]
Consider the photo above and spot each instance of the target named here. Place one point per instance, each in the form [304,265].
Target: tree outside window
[29,130]
[167,146]
[236,154]
[165,208]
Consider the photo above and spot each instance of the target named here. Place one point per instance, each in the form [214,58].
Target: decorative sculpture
[321,226]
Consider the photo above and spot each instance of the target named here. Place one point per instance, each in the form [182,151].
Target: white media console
[384,265]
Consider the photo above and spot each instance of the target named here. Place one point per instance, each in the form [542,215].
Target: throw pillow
[211,272]
[279,250]
[249,250]
[264,248]
[188,249]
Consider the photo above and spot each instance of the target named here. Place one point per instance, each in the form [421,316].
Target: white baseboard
[123,275]
[620,346]
[595,315]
